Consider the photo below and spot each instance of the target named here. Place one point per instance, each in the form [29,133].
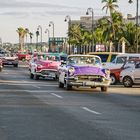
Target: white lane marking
[56,95]
[36,86]
[26,83]
[91,111]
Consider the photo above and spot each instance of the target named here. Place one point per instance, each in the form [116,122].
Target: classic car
[131,75]
[44,65]
[83,70]
[10,59]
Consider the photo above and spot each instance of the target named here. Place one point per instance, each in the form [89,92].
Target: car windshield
[48,57]
[82,60]
[130,63]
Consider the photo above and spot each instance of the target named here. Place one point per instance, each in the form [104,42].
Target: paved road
[39,110]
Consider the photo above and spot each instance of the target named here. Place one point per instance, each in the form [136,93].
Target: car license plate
[52,74]
[9,62]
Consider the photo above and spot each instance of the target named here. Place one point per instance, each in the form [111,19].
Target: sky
[31,13]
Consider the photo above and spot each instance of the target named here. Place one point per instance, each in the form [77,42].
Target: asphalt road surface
[39,110]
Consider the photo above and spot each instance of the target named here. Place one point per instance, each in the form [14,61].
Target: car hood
[88,70]
[47,64]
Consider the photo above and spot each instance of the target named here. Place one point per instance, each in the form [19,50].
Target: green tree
[20,32]
[110,6]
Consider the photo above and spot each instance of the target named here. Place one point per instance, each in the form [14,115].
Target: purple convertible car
[83,70]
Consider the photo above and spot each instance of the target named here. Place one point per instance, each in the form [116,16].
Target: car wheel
[15,65]
[67,86]
[113,79]
[31,76]
[36,77]
[104,89]
[127,81]
[60,85]
[93,87]
[55,78]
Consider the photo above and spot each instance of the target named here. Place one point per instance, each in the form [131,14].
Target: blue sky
[31,13]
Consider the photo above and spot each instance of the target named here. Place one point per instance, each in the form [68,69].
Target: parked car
[83,70]
[120,60]
[131,75]
[9,59]
[106,57]
[115,73]
[44,65]
[24,56]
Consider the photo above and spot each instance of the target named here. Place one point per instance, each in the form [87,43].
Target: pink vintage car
[44,65]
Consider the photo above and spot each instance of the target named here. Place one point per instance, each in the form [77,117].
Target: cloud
[25,4]
[24,8]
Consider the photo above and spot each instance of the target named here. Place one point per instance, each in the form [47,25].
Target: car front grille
[46,72]
[95,78]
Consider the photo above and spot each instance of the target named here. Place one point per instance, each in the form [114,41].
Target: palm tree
[20,32]
[110,5]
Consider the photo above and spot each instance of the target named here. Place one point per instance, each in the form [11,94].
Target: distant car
[24,56]
[131,75]
[106,57]
[83,70]
[9,59]
[44,65]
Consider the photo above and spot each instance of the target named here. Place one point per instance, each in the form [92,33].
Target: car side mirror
[63,63]
[137,66]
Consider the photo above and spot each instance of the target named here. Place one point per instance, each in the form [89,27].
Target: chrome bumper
[89,83]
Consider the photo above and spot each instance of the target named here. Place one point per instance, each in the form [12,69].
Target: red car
[24,56]
[115,75]
[46,66]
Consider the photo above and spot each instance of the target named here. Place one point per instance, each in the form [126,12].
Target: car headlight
[107,71]
[39,66]
[71,71]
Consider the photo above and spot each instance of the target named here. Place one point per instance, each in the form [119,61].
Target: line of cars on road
[73,70]
[82,70]
[63,70]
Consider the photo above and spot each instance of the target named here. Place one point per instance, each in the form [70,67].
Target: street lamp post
[37,34]
[39,27]
[137,13]
[90,10]
[68,18]
[51,23]
[47,31]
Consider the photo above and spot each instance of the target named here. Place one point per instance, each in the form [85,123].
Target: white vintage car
[131,75]
[83,70]
[9,59]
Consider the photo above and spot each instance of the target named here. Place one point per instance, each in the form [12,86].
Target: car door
[137,73]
